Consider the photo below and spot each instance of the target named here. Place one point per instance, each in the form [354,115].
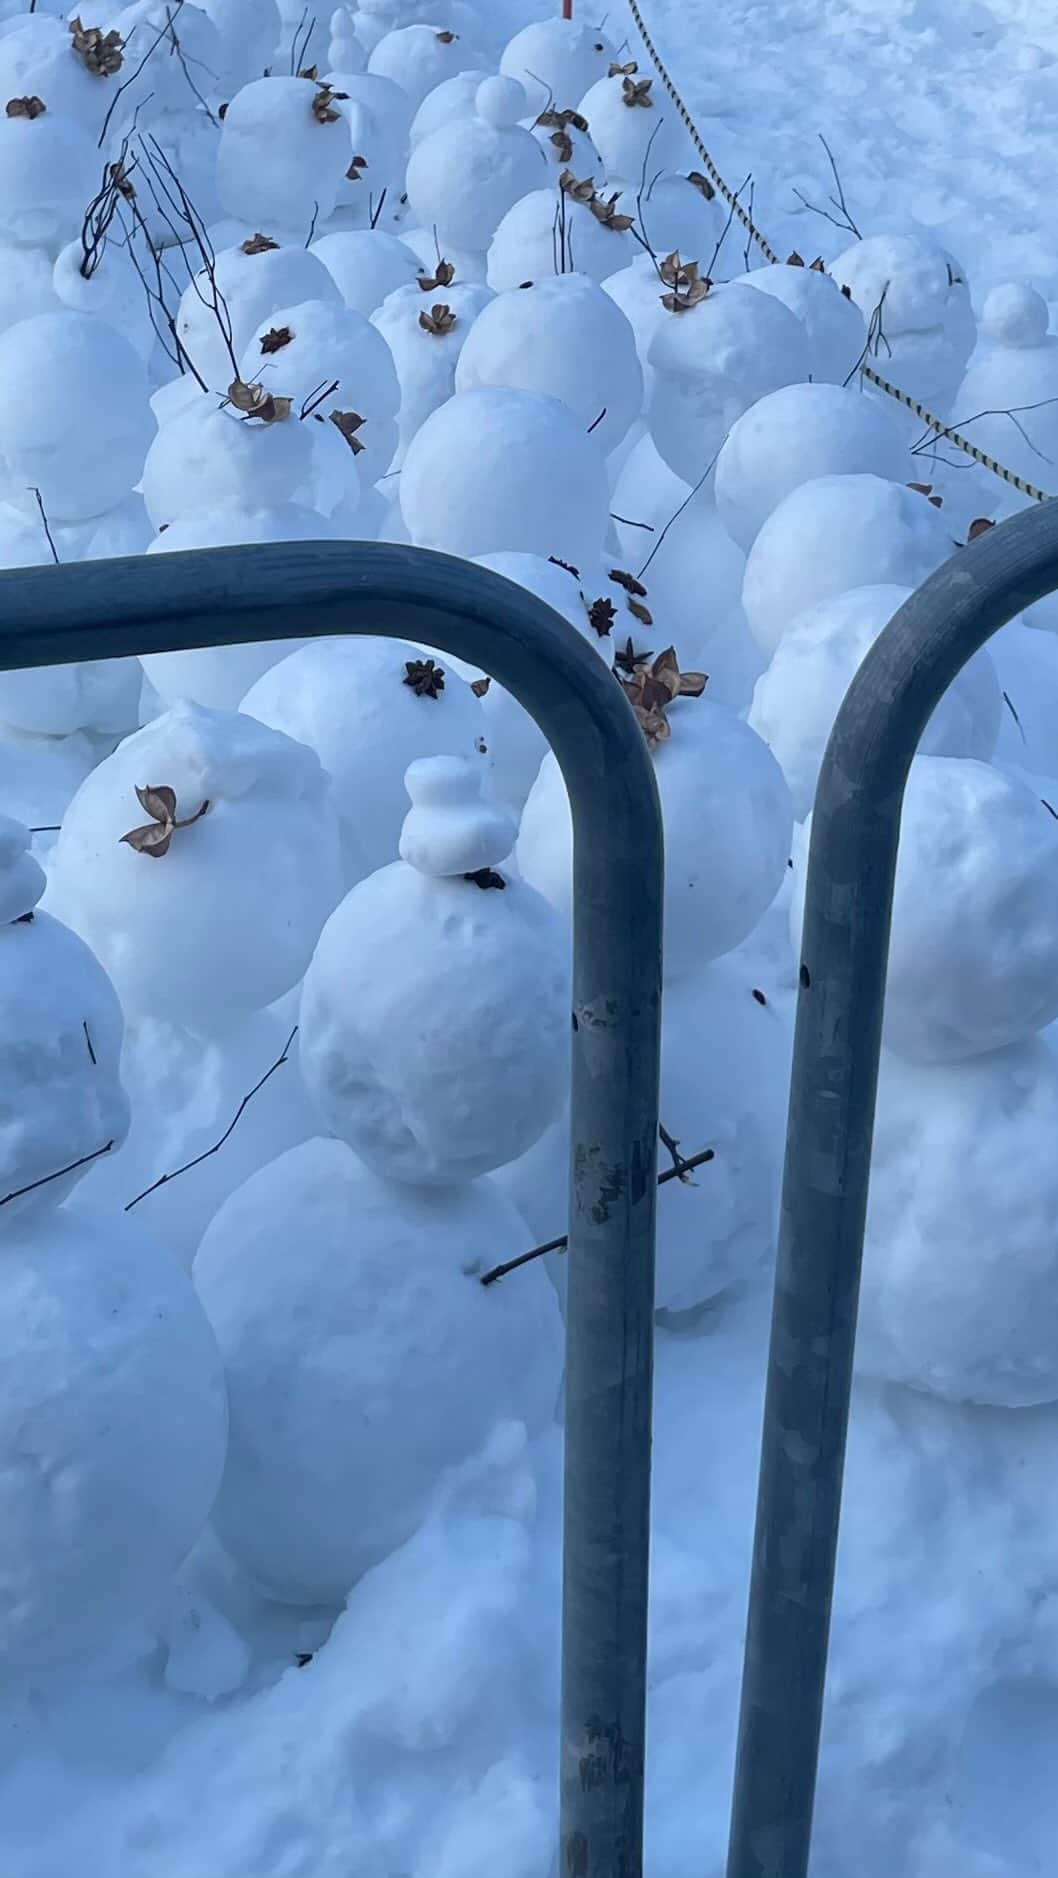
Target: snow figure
[563,138]
[439,1099]
[379,120]
[633,129]
[328,1289]
[425,325]
[973,956]
[45,160]
[332,362]
[1014,370]
[500,468]
[252,279]
[419,57]
[798,698]
[61,1099]
[960,1270]
[207,457]
[832,534]
[218,676]
[113,1424]
[369,707]
[453,100]
[104,282]
[75,416]
[677,214]
[345,52]
[566,337]
[367,265]
[200,809]
[718,351]
[915,299]
[284,150]
[38,59]
[837,330]
[726,809]
[557,61]
[724,1076]
[553,231]
[794,436]
[463,178]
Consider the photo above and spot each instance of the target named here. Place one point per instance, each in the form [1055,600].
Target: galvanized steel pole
[230,596]
[852,861]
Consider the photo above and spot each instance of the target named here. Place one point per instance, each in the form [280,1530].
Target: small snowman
[425,323]
[419,57]
[458,1059]
[836,328]
[1014,370]
[557,60]
[915,299]
[634,127]
[463,178]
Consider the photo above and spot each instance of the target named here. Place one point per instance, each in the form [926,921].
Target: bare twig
[44,521]
[688,498]
[164,1179]
[59,1174]
[918,449]
[88,1040]
[133,76]
[843,219]
[375,214]
[626,522]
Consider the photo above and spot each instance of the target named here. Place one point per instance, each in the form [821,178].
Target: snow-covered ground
[284,929]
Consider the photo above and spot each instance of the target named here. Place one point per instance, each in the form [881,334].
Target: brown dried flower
[349,422]
[26,107]
[578,191]
[794,259]
[623,71]
[640,612]
[602,614]
[702,184]
[275,339]
[651,688]
[637,91]
[310,71]
[606,213]
[425,677]
[439,320]
[159,802]
[259,244]
[352,174]
[443,276]
[562,143]
[628,660]
[100,52]
[816,266]
[255,401]
[324,102]
[687,288]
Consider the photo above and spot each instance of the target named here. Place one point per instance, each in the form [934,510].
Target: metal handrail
[844,952]
[232,596]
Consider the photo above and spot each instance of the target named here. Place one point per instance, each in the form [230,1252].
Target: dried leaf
[641,613]
[702,184]
[259,244]
[979,527]
[921,489]
[486,877]
[159,802]
[651,687]
[794,259]
[816,266]
[628,660]
[602,614]
[352,174]
[637,91]
[324,102]
[255,401]
[446,38]
[443,276]
[628,582]
[847,292]
[425,677]
[310,71]
[555,562]
[606,213]
[563,146]
[276,338]
[26,107]
[622,71]
[349,422]
[154,839]
[480,687]
[937,501]
[681,301]
[578,191]
[101,53]
[439,320]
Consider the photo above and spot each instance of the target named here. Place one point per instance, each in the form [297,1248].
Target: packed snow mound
[973,959]
[797,699]
[505,468]
[832,534]
[960,1271]
[45,160]
[450,101]
[330,360]
[547,229]
[213,909]
[113,1424]
[253,277]
[795,436]
[75,416]
[367,265]
[283,153]
[837,330]
[557,61]
[710,362]
[207,457]
[728,823]
[336,1299]
[457,1061]
[425,331]
[369,707]
[463,178]
[634,127]
[914,296]
[565,337]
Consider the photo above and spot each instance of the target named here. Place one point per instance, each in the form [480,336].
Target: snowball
[728,822]
[566,337]
[500,101]
[528,242]
[112,1434]
[418,57]
[113,292]
[220,675]
[463,178]
[500,468]
[347,1310]
[798,698]
[926,317]
[283,153]
[253,284]
[224,922]
[711,363]
[832,534]
[426,355]
[61,1099]
[350,701]
[249,33]
[960,1268]
[837,330]
[208,457]
[794,436]
[457,1061]
[675,216]
[335,360]
[367,266]
[557,61]
[634,127]
[1015,315]
[75,417]
[453,99]
[44,162]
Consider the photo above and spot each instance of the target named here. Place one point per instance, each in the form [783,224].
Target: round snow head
[501,102]
[425,330]
[837,330]
[1015,315]
[113,1423]
[255,278]
[330,360]
[794,436]
[798,698]
[453,99]
[463,178]
[960,1267]
[419,57]
[348,1311]
[566,337]
[545,232]
[75,416]
[711,361]
[45,159]
[635,127]
[973,956]
[283,153]
[200,861]
[208,457]
[500,468]
[367,265]
[832,534]
[557,61]
[369,707]
[920,296]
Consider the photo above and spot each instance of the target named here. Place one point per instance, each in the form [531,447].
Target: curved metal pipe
[231,596]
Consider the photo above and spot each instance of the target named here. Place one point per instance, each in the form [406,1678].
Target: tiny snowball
[1015,315]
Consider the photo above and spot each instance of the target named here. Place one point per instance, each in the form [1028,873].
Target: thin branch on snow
[843,219]
[688,498]
[131,79]
[164,1179]
[44,520]
[963,424]
[59,1174]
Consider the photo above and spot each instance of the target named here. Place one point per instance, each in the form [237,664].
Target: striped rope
[939,430]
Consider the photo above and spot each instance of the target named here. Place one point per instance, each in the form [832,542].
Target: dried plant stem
[164,1179]
[59,1174]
